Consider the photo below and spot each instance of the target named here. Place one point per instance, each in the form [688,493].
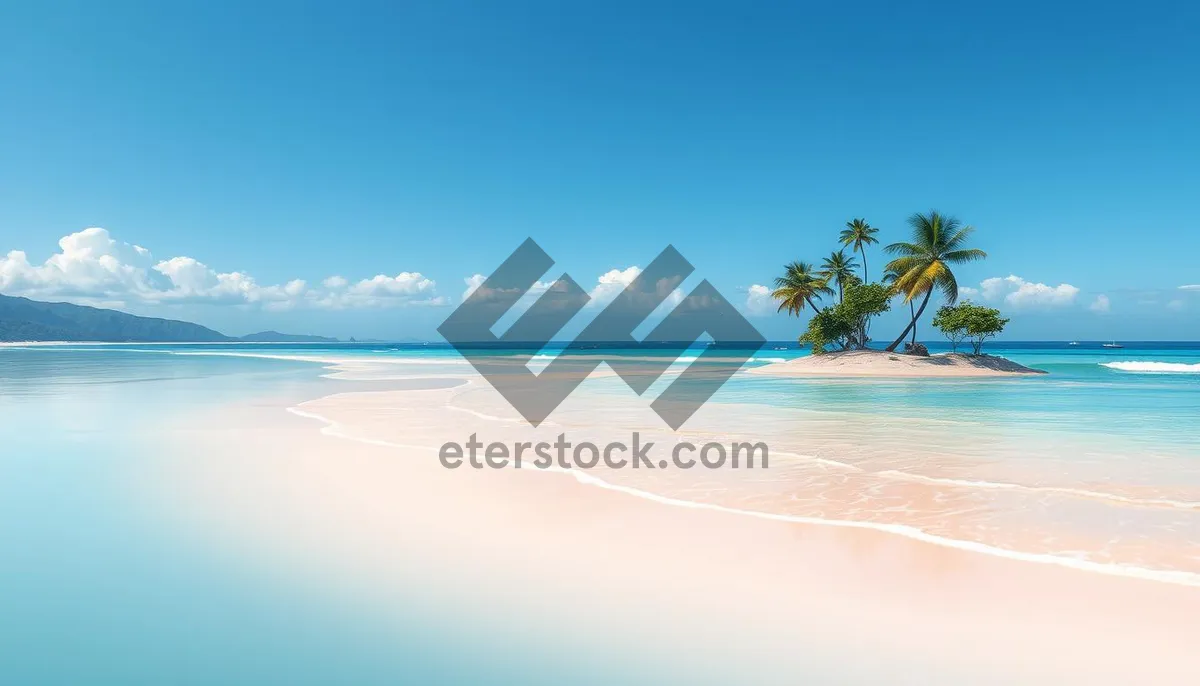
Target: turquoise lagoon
[1097,462]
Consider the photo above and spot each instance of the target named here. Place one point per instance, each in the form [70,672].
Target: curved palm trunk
[812,304]
[911,325]
[911,308]
[864,255]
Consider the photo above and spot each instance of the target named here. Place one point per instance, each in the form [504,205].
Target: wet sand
[544,562]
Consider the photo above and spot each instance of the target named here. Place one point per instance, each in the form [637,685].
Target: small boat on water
[1073,343]
[1114,344]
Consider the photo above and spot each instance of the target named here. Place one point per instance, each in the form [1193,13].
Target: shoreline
[333,428]
[373,522]
[34,344]
[882,364]
[331,425]
[335,368]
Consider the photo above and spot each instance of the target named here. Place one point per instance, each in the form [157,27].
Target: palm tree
[859,234]
[839,269]
[889,277]
[938,242]
[799,285]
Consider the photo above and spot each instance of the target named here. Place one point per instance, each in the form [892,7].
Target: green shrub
[847,323]
[968,321]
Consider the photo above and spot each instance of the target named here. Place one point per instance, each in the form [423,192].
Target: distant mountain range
[22,319]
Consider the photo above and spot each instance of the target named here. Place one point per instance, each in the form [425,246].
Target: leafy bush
[826,328]
[968,321]
[846,324]
[951,322]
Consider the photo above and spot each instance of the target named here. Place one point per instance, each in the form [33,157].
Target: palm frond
[798,285]
[956,239]
[920,280]
[967,255]
[949,286]
[903,248]
[857,234]
[902,265]
[925,228]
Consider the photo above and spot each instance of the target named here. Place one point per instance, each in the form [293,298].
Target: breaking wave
[1153,367]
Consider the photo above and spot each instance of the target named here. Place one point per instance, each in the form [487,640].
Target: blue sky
[405,147]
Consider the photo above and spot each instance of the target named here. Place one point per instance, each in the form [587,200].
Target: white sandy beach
[539,560]
[877,363]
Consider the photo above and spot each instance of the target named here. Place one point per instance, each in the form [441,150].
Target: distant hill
[22,319]
[276,337]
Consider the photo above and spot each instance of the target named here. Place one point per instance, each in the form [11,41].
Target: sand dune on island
[878,363]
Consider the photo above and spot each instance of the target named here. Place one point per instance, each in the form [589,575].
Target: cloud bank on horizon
[94,268]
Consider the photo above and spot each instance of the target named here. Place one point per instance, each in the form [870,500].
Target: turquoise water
[1083,393]
[95,590]
[85,569]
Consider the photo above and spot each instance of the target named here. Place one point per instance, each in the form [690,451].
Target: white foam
[1061,490]
[821,461]
[1183,578]
[1161,575]
[1153,367]
[327,359]
[541,357]
[333,429]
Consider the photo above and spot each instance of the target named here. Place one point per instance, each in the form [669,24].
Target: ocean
[1094,466]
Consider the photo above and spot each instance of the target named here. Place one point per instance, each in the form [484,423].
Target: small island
[838,331]
[883,364]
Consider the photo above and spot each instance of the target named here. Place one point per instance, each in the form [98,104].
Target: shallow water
[98,587]
[1096,465]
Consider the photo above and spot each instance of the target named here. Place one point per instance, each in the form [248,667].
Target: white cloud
[94,268]
[1190,287]
[404,283]
[759,300]
[1021,294]
[608,286]
[89,264]
[474,281]
[612,283]
[1100,304]
[381,290]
